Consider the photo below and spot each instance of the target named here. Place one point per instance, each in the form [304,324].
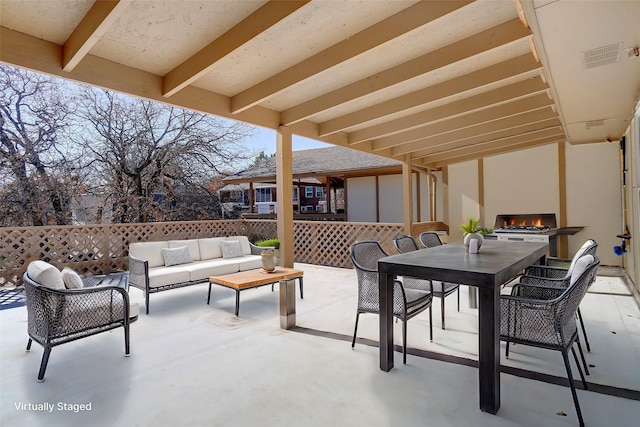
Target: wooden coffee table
[258,277]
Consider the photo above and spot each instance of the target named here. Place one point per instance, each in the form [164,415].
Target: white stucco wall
[463,197]
[594,197]
[361,199]
[527,181]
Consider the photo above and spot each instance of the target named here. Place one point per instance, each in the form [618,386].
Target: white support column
[407,194]
[284,186]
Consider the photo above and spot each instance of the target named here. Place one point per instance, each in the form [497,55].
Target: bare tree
[35,186]
[156,159]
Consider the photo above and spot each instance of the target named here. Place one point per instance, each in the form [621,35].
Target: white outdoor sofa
[160,266]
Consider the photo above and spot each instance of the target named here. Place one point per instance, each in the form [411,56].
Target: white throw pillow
[71,279]
[231,249]
[581,266]
[45,274]
[176,256]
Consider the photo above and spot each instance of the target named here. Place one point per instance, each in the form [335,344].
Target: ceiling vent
[603,55]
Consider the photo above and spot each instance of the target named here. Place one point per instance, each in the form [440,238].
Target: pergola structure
[429,83]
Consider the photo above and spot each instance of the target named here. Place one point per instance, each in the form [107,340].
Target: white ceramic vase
[269,260]
[470,236]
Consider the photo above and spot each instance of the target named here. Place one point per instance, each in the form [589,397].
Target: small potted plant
[472,230]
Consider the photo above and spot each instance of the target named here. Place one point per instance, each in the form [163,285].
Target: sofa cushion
[231,249]
[210,248]
[244,242]
[161,276]
[45,274]
[176,256]
[149,251]
[201,270]
[71,279]
[250,262]
[192,244]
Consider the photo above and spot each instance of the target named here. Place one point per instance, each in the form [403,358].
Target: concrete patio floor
[194,364]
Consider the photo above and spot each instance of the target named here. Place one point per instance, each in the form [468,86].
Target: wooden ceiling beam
[461,107]
[496,150]
[478,43]
[92,27]
[486,76]
[493,144]
[250,27]
[506,126]
[482,139]
[388,29]
[500,111]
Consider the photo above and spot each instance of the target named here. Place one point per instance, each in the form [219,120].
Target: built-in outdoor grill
[527,228]
[531,228]
[525,223]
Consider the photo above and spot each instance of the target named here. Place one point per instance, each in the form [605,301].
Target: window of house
[319,191]
[295,195]
[308,192]
[263,195]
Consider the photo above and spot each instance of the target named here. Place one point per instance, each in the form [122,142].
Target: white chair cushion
[149,251]
[176,256]
[580,267]
[45,274]
[71,279]
[579,254]
[244,242]
[192,244]
[231,249]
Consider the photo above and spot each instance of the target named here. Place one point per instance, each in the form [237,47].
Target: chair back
[405,244]
[588,248]
[583,275]
[365,256]
[429,239]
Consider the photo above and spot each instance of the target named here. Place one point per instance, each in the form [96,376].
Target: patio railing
[101,249]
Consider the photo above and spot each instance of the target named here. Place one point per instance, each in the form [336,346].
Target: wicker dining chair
[407,302]
[546,317]
[429,239]
[556,272]
[440,289]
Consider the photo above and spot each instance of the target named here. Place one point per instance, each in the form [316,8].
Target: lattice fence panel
[101,249]
[328,243]
[95,249]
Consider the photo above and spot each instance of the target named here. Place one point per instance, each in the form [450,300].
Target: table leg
[489,349]
[385,289]
[209,295]
[237,301]
[287,295]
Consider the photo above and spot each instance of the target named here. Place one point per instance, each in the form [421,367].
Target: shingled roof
[339,161]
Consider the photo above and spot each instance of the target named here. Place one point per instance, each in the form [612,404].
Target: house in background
[334,183]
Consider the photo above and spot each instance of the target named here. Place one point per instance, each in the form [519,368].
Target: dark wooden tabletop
[496,262]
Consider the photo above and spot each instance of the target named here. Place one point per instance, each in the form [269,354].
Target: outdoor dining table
[496,263]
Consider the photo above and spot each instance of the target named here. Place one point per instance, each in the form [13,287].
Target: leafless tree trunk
[154,158]
[33,118]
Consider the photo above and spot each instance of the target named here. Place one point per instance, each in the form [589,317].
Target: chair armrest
[537,292]
[544,271]
[138,273]
[543,281]
[58,313]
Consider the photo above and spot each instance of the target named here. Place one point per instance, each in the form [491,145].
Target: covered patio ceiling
[433,83]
